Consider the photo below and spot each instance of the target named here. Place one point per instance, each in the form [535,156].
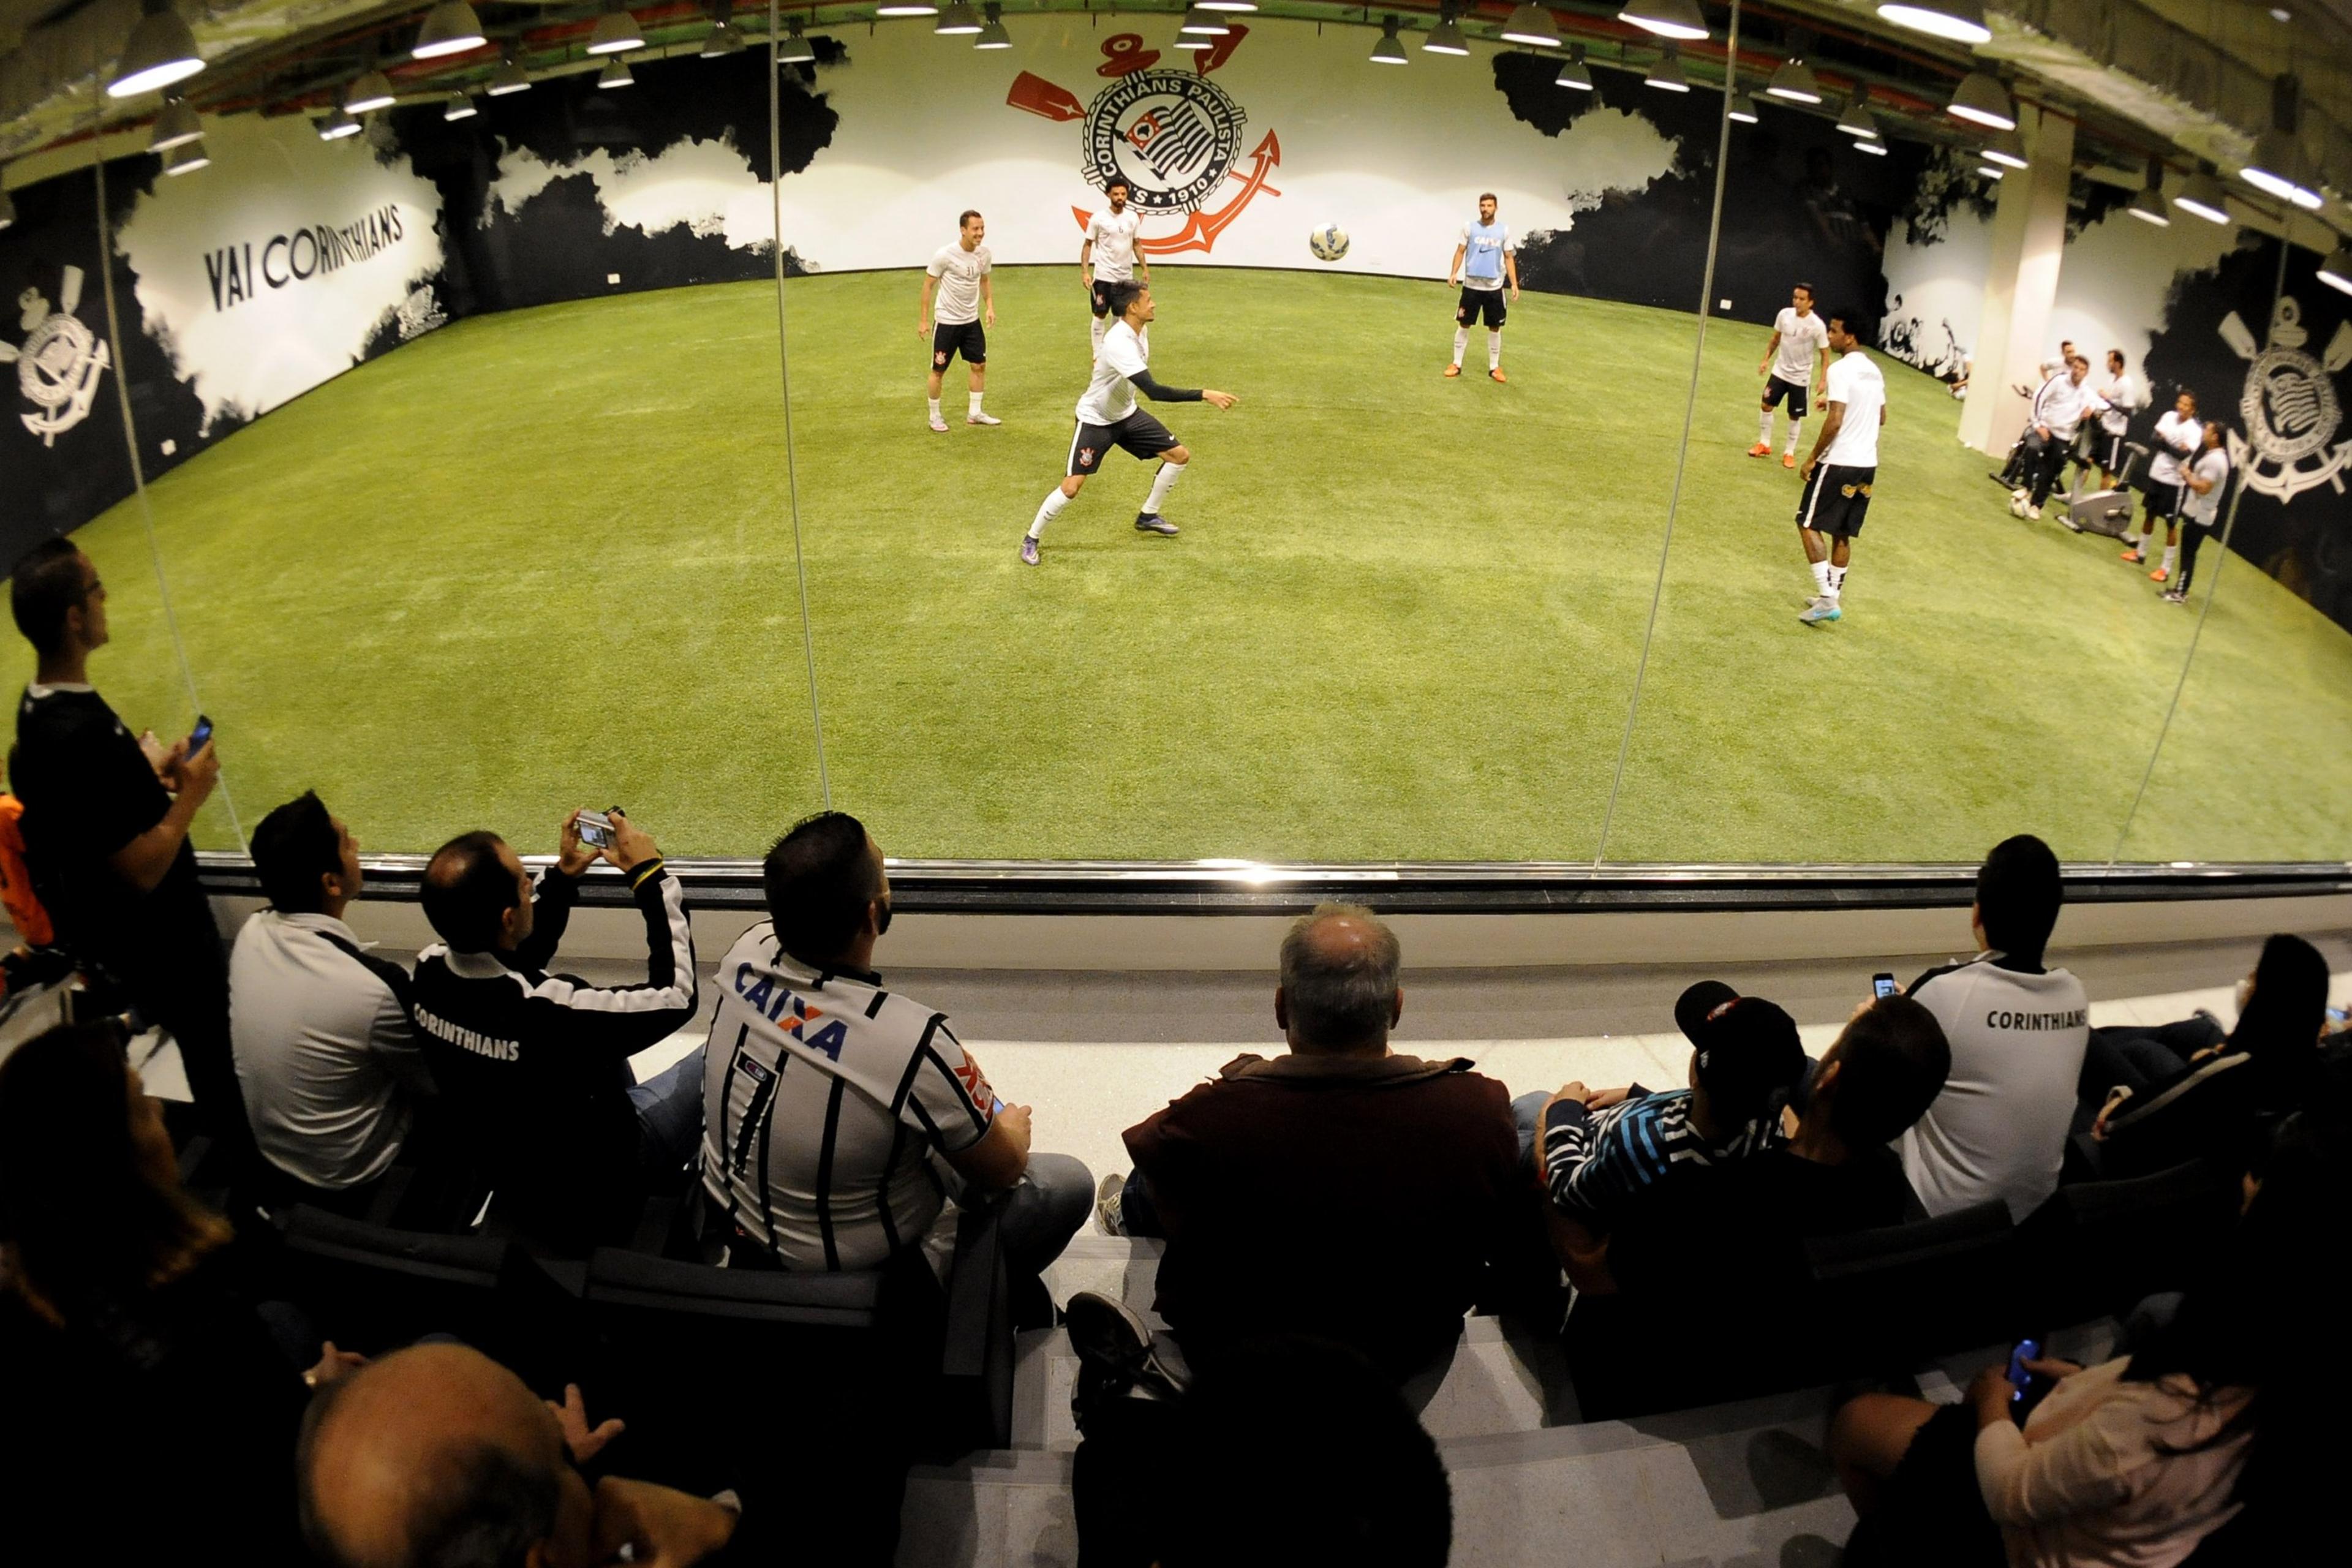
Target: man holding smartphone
[107,816]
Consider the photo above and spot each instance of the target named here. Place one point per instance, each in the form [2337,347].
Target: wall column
[2029,238]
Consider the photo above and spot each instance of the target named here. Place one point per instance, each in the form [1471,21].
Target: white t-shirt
[2175,432]
[1998,1128]
[1856,382]
[1108,397]
[2213,466]
[1500,241]
[1800,337]
[958,271]
[2122,395]
[1113,237]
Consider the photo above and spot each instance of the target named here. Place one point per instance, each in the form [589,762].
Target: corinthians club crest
[59,363]
[2289,407]
[1174,136]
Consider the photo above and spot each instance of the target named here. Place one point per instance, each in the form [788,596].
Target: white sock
[1461,342]
[1764,430]
[1837,581]
[1161,483]
[2171,554]
[1494,351]
[935,407]
[1794,425]
[1097,330]
[1822,577]
[975,403]
[1055,501]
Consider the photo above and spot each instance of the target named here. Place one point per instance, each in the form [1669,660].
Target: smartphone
[2026,1388]
[1882,985]
[596,830]
[996,1107]
[201,736]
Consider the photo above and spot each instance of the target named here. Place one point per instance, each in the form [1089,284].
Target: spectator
[2236,1403]
[1602,1150]
[326,1052]
[436,1455]
[1341,1190]
[2057,414]
[830,1093]
[19,968]
[535,1065]
[122,1322]
[2222,1101]
[105,832]
[2018,1032]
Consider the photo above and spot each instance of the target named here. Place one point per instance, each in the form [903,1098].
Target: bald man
[1340,1190]
[403,1459]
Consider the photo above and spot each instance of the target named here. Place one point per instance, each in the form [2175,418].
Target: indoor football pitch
[546,559]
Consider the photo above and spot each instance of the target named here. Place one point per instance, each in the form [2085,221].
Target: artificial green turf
[545,559]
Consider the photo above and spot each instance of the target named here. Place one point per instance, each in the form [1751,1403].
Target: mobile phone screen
[596,830]
[2019,1377]
[201,736]
[1882,985]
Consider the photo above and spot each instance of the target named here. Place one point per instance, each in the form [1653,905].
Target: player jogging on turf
[1788,369]
[959,273]
[1109,417]
[2177,438]
[1842,469]
[1486,260]
[1110,263]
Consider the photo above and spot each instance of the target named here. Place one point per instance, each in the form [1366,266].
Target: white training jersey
[2122,396]
[958,271]
[1113,237]
[1109,398]
[2175,432]
[824,1097]
[1856,382]
[1800,337]
[2213,466]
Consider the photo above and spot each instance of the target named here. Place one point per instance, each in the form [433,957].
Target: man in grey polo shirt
[326,1055]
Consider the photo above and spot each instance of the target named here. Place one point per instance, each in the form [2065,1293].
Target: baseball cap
[1747,1047]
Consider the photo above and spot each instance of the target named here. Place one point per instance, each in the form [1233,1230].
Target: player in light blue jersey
[1485,262]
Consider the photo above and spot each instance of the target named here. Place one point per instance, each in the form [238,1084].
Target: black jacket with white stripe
[535,1065]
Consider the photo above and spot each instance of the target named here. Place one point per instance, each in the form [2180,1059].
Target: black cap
[1747,1047]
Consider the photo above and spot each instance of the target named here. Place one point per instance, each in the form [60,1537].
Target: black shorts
[1776,389]
[2161,500]
[1487,302]
[1138,433]
[1110,297]
[965,337]
[1835,501]
[1931,1512]
[2108,450]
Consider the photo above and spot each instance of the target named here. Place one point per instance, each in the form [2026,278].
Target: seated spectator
[534,1066]
[2018,1032]
[326,1053]
[2222,1100]
[106,834]
[1341,1191]
[1602,1150]
[436,1455]
[829,1093]
[2236,1403]
[148,1392]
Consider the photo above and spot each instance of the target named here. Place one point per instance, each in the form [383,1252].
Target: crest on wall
[2289,405]
[59,363]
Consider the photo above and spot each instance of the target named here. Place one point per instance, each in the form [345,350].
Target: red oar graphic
[1038,96]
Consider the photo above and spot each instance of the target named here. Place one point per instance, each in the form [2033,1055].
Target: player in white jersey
[960,273]
[1109,417]
[1788,367]
[1842,469]
[1111,263]
[2124,396]
[2204,481]
[1485,262]
[2177,436]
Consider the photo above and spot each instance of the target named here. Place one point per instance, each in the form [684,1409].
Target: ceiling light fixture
[1573,72]
[2006,150]
[958,21]
[177,126]
[2148,205]
[1531,25]
[616,33]
[371,91]
[2200,196]
[2278,160]
[1857,121]
[1794,82]
[510,77]
[725,37]
[2336,271]
[336,126]
[185,160]
[1203,24]
[8,208]
[1195,41]
[1389,50]
[1981,101]
[459,106]
[1666,76]
[616,74]
[1445,38]
[906,8]
[1228,5]
[1989,171]
[993,36]
[1667,18]
[1962,21]
[795,50]
[1743,108]
[450,28]
[160,51]
[1875,149]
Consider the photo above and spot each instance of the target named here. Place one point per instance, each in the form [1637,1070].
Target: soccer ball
[1328,243]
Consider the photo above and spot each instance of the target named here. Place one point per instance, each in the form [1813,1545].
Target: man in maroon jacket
[1340,1191]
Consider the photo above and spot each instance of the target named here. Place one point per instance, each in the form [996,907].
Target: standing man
[1109,417]
[1110,263]
[2177,436]
[2124,396]
[1486,260]
[2202,484]
[959,273]
[1842,469]
[1797,333]
[2058,412]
